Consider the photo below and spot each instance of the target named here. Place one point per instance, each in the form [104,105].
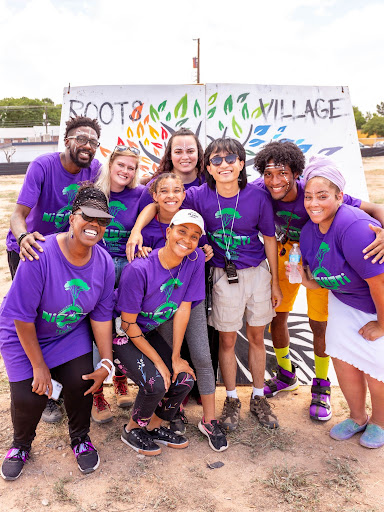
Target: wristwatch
[23,235]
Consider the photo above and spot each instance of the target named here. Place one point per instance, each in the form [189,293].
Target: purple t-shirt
[154,234]
[49,190]
[336,259]
[124,206]
[148,289]
[253,214]
[146,197]
[293,213]
[58,298]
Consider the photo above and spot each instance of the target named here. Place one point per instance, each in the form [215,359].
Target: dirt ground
[297,468]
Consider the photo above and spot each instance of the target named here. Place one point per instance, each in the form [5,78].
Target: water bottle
[294,260]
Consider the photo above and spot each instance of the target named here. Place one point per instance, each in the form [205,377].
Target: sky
[47,44]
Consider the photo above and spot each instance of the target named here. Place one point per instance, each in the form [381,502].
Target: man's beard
[80,163]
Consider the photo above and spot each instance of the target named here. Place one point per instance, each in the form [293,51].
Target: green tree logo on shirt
[72,313]
[288,217]
[323,276]
[62,215]
[166,310]
[115,230]
[225,237]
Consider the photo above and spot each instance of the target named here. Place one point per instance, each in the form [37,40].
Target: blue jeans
[120,263]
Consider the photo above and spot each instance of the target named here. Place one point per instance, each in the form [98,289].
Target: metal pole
[198,60]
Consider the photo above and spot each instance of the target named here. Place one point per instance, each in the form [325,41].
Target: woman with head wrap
[54,309]
[332,244]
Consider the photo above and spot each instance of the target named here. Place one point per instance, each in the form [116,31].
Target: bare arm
[102,332]
[26,332]
[180,322]
[376,248]
[144,218]
[373,330]
[270,245]
[133,331]
[19,226]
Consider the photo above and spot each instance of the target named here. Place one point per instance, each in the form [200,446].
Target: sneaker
[86,454]
[101,411]
[230,415]
[320,408]
[13,463]
[261,408]
[373,436]
[52,412]
[217,438]
[283,380]
[140,441]
[120,385]
[177,425]
[166,436]
[346,429]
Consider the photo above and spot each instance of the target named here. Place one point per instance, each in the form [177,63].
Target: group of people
[99,271]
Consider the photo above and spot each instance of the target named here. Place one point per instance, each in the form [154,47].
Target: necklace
[177,277]
[229,238]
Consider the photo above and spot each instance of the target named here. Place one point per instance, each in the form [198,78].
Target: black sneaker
[140,441]
[86,454]
[166,436]
[216,435]
[13,463]
[177,425]
[52,412]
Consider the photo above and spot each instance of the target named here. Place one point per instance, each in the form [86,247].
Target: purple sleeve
[31,189]
[196,287]
[145,199]
[351,201]
[18,304]
[354,239]
[259,182]
[266,223]
[131,290]
[191,199]
[103,309]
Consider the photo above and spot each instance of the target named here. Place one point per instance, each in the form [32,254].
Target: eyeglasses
[230,159]
[102,221]
[121,148]
[82,141]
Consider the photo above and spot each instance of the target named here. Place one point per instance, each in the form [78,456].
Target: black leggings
[27,406]
[151,397]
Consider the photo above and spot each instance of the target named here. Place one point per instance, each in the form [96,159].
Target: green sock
[321,367]
[282,356]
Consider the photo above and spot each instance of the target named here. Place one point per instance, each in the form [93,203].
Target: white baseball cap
[188,217]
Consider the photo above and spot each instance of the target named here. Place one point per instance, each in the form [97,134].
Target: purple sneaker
[320,408]
[13,463]
[283,380]
[373,436]
[86,454]
[346,429]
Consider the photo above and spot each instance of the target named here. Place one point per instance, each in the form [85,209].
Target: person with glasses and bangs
[234,213]
[44,203]
[118,179]
[47,331]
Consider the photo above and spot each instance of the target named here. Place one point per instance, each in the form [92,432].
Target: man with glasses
[46,197]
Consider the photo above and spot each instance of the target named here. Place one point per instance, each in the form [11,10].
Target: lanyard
[227,242]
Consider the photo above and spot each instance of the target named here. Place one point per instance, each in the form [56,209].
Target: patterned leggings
[152,397]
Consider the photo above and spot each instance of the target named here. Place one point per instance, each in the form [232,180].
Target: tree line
[28,112]
[370,124]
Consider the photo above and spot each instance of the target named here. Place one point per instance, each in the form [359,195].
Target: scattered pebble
[139,456]
[45,502]
[59,448]
[64,454]
[70,473]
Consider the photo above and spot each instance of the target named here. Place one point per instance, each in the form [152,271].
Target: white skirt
[343,341]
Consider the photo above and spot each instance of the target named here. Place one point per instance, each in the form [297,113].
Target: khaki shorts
[317,300]
[250,296]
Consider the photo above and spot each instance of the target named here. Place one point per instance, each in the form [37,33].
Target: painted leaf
[136,112]
[228,104]
[244,111]
[154,133]
[261,129]
[256,142]
[181,122]
[132,144]
[161,107]
[146,142]
[146,120]
[144,167]
[154,167]
[157,145]
[156,151]
[221,126]
[146,160]
[237,129]
[140,130]
[242,97]
[183,105]
[257,112]
[153,113]
[120,142]
[196,109]
[169,117]
[104,151]
[250,153]
[212,99]
[211,112]
[129,133]
[164,134]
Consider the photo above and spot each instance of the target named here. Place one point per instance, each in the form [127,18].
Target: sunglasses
[121,148]
[82,141]
[102,221]
[217,160]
